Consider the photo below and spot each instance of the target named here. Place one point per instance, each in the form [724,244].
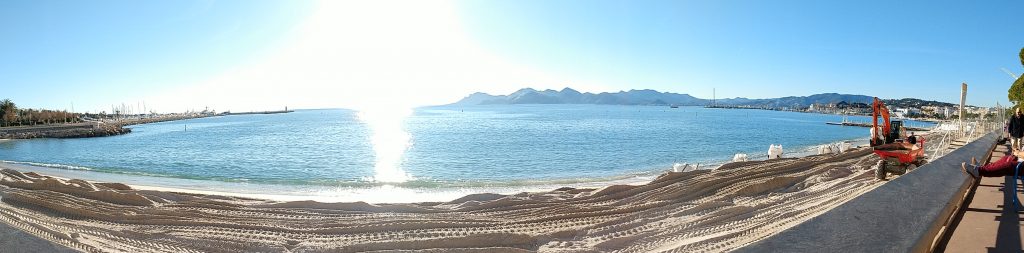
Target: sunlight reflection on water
[390,141]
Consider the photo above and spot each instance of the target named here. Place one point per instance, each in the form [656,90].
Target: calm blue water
[447,146]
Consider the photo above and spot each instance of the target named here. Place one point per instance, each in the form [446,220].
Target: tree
[8,112]
[1016,92]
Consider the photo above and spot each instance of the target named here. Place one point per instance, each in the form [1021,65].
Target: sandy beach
[506,126]
[718,210]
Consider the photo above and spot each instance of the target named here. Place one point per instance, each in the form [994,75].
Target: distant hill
[798,101]
[915,103]
[652,97]
[571,96]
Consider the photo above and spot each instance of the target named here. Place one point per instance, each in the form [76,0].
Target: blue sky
[238,55]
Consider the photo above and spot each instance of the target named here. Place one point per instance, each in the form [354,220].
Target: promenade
[988,223]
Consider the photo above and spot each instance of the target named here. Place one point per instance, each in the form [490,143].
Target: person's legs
[1002,167]
[1015,143]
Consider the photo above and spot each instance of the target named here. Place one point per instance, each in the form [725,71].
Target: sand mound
[75,187]
[482,197]
[679,211]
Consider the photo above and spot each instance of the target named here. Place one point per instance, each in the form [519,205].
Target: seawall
[907,214]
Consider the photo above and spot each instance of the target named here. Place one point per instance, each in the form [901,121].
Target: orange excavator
[889,131]
[897,156]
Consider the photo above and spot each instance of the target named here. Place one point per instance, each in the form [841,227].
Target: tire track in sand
[708,211]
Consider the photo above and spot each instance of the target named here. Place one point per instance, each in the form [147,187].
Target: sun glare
[352,53]
[389,140]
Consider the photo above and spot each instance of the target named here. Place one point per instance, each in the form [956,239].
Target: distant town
[898,108]
[831,103]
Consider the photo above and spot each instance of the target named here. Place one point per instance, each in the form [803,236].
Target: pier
[858,124]
[259,112]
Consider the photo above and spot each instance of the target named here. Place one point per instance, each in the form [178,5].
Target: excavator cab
[894,131]
[891,129]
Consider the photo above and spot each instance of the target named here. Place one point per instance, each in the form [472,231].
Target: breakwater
[76,130]
[155,119]
[260,112]
[106,127]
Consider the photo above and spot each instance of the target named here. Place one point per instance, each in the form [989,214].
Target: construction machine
[896,155]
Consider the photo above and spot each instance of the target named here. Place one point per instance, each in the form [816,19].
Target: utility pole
[963,98]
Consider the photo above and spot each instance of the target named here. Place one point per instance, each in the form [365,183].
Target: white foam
[50,165]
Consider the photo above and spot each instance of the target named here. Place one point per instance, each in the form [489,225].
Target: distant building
[913,111]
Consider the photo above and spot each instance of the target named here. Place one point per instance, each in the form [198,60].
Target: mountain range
[653,97]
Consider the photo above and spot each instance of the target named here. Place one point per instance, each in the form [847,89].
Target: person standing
[1016,129]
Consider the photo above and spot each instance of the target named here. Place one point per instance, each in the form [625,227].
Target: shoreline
[704,210]
[711,210]
[382,193]
[321,193]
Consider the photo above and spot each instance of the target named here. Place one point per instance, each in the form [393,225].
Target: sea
[429,153]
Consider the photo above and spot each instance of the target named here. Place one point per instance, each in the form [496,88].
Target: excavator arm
[878,109]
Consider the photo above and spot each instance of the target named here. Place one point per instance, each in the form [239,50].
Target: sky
[243,55]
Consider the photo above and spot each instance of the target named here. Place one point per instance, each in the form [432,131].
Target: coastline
[382,193]
[704,210]
[320,193]
[641,162]
[719,208]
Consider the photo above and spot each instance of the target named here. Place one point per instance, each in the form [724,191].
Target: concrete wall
[903,215]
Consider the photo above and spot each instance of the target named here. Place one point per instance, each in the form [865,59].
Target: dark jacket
[1016,126]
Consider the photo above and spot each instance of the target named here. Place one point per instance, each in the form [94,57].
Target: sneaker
[973,170]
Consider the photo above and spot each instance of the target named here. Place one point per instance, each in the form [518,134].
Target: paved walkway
[985,225]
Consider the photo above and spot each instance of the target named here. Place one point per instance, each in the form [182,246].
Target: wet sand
[714,211]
